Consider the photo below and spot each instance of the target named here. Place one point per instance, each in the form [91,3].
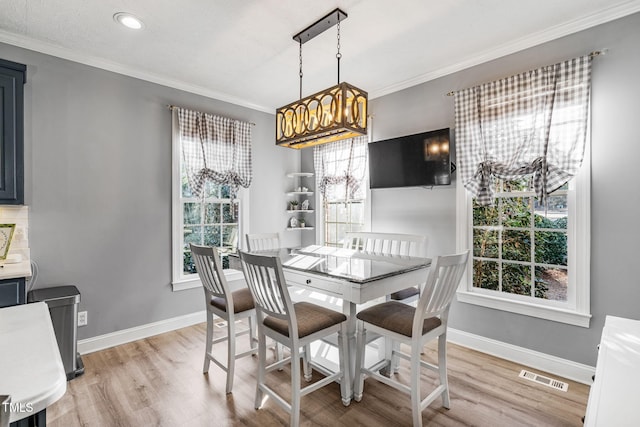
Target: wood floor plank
[158,381]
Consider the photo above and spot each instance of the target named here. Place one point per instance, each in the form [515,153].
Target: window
[528,258]
[210,221]
[341,214]
[523,191]
[520,247]
[341,172]
[213,218]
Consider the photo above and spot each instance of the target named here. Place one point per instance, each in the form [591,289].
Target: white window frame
[179,280]
[320,214]
[576,311]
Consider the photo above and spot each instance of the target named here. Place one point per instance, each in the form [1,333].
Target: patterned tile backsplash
[18,215]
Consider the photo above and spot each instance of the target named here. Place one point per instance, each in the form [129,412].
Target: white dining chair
[295,326]
[230,306]
[413,327]
[230,243]
[263,242]
[389,244]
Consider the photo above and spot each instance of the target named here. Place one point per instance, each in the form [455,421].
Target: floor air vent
[223,323]
[541,379]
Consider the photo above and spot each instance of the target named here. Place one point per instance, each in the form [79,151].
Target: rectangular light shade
[336,113]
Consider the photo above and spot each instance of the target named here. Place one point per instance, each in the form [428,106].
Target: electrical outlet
[82,318]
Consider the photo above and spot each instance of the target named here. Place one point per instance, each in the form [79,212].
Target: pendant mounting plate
[320,26]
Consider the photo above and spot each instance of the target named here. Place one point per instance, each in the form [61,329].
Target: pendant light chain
[338,55]
[300,68]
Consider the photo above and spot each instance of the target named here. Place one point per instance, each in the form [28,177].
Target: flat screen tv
[411,161]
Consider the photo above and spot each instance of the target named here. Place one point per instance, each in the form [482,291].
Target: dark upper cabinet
[13,76]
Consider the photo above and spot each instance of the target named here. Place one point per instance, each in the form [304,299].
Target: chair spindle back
[386,243]
[443,280]
[209,269]
[263,242]
[267,285]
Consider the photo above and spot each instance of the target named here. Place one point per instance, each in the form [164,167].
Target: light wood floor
[159,382]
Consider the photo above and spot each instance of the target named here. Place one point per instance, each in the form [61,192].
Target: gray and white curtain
[342,163]
[215,148]
[530,124]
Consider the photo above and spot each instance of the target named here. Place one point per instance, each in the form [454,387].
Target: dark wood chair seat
[396,317]
[311,319]
[242,301]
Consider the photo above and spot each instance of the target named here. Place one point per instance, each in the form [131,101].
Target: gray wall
[98,187]
[615,153]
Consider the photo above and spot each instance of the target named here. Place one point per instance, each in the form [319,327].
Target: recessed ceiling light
[128,20]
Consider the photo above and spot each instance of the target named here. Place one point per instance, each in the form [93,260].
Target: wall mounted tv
[410,161]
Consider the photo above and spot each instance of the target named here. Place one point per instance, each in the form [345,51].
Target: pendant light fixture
[336,113]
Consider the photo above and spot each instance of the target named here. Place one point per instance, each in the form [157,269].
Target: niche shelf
[296,197]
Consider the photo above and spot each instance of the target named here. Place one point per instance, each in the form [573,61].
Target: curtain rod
[591,55]
[172,107]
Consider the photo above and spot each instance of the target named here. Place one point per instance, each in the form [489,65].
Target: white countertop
[614,395]
[18,269]
[31,370]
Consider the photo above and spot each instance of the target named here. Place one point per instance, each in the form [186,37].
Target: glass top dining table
[347,264]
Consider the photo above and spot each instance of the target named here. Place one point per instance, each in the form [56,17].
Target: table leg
[349,310]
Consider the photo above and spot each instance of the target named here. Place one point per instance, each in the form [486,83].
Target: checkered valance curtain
[341,162]
[534,123]
[215,148]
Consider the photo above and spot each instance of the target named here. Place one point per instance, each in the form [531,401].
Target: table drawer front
[325,285]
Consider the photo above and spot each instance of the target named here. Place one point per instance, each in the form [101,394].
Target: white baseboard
[533,359]
[530,358]
[124,336]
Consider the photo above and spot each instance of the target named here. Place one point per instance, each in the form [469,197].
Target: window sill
[555,314]
[194,282]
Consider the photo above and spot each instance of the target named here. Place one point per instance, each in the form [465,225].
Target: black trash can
[63,307]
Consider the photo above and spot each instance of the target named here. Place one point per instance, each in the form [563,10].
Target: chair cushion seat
[396,317]
[311,318]
[405,293]
[242,301]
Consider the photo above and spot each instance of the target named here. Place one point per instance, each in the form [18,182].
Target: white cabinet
[614,396]
[300,202]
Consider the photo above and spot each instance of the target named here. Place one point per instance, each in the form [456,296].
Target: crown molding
[517,45]
[93,61]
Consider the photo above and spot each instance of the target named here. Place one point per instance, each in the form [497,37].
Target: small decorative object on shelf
[293,205]
[305,205]
[302,223]
[6,235]
[293,222]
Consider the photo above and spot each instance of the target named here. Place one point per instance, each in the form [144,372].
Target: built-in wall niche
[299,201]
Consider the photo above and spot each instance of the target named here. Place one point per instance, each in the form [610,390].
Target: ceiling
[242,51]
